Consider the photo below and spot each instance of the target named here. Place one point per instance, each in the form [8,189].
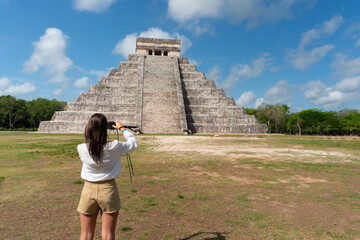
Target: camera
[110,125]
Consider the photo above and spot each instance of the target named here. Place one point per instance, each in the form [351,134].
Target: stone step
[198,84]
[209,101]
[124,70]
[213,119]
[231,111]
[84,116]
[156,61]
[134,58]
[159,59]
[62,127]
[193,75]
[101,89]
[105,99]
[119,82]
[183,60]
[204,92]
[128,74]
[120,108]
[159,77]
[129,65]
[115,94]
[243,128]
[188,68]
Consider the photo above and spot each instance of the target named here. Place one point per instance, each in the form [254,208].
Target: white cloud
[81,82]
[96,6]
[348,84]
[329,27]
[185,10]
[246,98]
[214,73]
[353,31]
[244,71]
[20,89]
[127,45]
[329,97]
[314,89]
[4,82]
[326,29]
[255,12]
[258,102]
[322,95]
[6,87]
[345,67]
[302,59]
[279,93]
[49,54]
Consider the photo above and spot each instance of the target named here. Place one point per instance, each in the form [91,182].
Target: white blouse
[110,165]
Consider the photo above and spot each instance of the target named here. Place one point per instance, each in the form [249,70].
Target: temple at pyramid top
[158,46]
[160,92]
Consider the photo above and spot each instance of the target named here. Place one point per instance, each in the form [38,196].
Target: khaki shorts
[97,196]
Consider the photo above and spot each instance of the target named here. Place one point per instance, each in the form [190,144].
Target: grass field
[189,187]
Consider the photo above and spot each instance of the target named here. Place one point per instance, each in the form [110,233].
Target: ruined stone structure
[160,92]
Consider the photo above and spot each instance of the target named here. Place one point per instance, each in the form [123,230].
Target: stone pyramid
[160,92]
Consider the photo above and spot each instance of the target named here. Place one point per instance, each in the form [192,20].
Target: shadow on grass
[216,236]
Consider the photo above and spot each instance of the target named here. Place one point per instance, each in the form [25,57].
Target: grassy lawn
[189,187]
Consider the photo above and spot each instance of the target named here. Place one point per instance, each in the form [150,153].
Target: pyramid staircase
[159,94]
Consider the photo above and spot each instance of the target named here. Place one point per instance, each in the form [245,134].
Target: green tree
[310,119]
[275,116]
[42,110]
[11,111]
[350,123]
[18,113]
[250,111]
[294,124]
[330,123]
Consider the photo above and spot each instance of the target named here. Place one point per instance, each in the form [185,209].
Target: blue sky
[304,53]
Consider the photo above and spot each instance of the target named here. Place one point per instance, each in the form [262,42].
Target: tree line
[309,122]
[21,114]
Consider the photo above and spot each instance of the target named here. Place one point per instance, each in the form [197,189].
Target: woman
[101,165]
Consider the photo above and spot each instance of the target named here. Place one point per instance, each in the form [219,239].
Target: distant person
[101,165]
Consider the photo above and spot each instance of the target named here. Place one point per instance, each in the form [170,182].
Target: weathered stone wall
[115,96]
[208,109]
[171,46]
[160,104]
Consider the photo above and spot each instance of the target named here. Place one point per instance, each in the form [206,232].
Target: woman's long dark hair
[96,135]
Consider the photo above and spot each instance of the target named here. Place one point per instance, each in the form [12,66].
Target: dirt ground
[190,187]
[256,147]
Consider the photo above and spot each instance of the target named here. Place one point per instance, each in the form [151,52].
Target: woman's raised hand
[118,125]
